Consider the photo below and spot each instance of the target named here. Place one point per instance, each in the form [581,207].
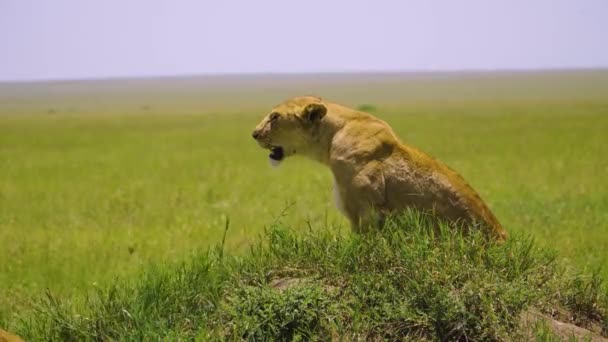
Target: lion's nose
[255,134]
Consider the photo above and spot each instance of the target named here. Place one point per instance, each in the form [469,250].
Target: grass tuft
[407,280]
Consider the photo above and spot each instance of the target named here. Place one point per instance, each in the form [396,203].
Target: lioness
[374,172]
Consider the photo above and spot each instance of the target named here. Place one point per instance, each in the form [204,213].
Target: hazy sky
[65,39]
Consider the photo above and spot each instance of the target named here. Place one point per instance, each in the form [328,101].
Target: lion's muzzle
[256,134]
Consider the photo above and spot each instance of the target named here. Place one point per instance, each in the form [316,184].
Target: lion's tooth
[274,162]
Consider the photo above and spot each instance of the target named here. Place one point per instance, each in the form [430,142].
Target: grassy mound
[404,281]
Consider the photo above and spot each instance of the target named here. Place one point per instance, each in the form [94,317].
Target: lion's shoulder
[363,134]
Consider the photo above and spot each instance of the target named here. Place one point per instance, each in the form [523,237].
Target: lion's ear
[314,112]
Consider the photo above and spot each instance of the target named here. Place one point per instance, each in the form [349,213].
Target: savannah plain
[101,179]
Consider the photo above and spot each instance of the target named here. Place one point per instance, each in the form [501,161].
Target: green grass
[402,282]
[102,188]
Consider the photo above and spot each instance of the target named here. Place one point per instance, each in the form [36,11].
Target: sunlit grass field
[97,184]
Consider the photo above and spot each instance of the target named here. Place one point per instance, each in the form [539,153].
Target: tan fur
[5,336]
[375,173]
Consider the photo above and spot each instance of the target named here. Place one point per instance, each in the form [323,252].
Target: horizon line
[300,73]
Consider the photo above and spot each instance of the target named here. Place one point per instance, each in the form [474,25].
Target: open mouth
[276,153]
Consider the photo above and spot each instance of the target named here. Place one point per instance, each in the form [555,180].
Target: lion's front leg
[368,220]
[364,200]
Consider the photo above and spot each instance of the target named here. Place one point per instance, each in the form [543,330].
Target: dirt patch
[282,284]
[532,318]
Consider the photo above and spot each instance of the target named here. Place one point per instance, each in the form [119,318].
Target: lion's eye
[274,117]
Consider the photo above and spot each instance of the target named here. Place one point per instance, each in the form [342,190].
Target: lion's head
[290,127]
